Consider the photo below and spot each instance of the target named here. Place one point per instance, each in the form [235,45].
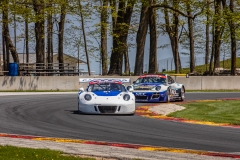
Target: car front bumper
[106,105]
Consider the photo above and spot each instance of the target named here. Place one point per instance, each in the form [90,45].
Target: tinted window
[106,87]
[151,80]
[170,79]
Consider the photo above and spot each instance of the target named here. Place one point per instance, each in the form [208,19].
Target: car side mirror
[81,89]
[129,87]
[134,82]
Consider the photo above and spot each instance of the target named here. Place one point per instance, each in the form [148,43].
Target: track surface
[55,116]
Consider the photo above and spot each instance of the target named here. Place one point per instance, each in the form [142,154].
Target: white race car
[157,88]
[106,96]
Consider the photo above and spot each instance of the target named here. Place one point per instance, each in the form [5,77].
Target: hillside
[226,64]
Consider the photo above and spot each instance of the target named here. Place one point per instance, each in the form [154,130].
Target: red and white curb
[123,145]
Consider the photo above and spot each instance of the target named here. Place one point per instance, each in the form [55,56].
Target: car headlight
[126,97]
[158,88]
[87,97]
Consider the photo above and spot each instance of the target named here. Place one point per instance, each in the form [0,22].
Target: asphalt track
[54,115]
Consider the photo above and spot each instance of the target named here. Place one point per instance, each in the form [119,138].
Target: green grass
[17,153]
[227,111]
[202,68]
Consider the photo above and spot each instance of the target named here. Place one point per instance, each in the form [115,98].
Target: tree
[50,37]
[38,6]
[61,24]
[141,38]
[153,39]
[124,37]
[207,32]
[6,35]
[229,11]
[217,32]
[27,38]
[120,33]
[84,36]
[191,38]
[233,39]
[172,30]
[213,49]
[104,52]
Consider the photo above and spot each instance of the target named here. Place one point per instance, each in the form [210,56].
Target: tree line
[199,26]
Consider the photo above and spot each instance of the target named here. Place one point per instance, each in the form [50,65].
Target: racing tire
[168,96]
[78,111]
[182,94]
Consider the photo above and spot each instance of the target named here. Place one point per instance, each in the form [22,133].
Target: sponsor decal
[140,94]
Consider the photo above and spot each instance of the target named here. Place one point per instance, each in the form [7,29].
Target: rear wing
[87,80]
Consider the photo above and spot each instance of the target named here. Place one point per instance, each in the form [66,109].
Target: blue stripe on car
[107,93]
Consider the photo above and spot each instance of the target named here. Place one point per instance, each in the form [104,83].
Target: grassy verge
[12,153]
[226,111]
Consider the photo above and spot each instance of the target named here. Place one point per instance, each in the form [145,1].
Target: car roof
[153,75]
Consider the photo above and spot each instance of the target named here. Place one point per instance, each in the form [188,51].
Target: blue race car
[157,88]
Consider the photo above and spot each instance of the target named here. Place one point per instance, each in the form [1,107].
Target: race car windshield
[151,80]
[106,87]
